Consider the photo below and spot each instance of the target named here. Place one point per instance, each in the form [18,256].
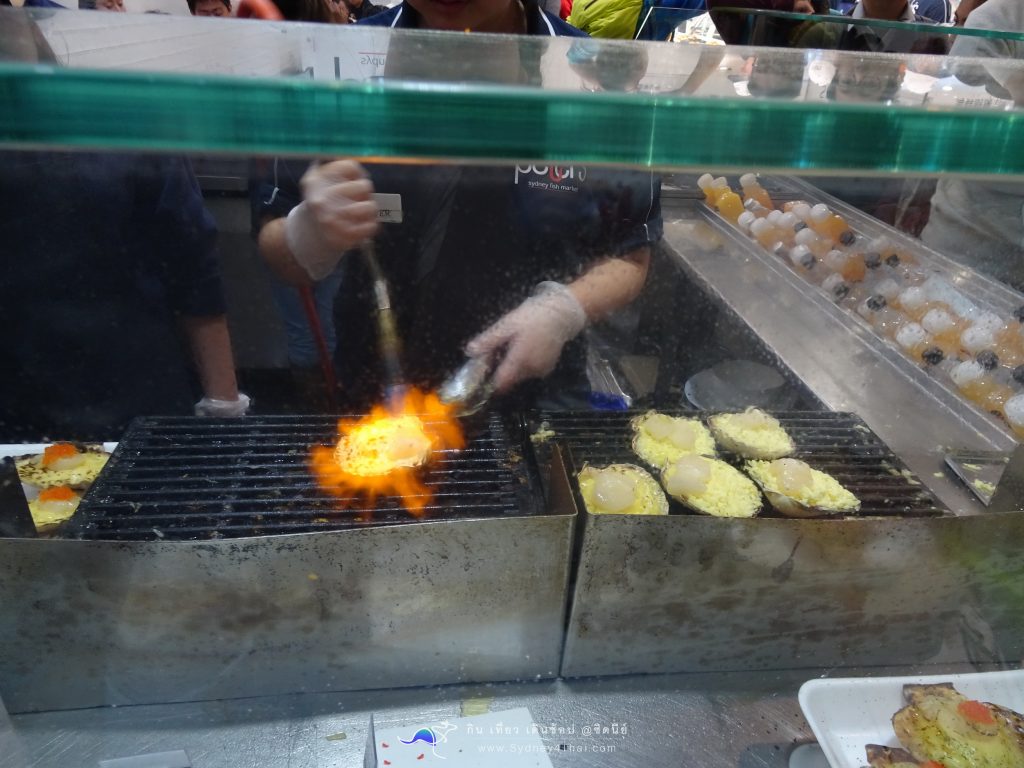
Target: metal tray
[688,593]
[92,623]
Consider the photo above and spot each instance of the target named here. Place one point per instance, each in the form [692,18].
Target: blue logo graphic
[432,736]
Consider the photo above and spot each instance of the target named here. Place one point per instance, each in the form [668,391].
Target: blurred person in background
[893,10]
[981,223]
[317,11]
[937,11]
[503,263]
[269,185]
[734,28]
[116,6]
[113,284]
[362,9]
[610,19]
[111,289]
[963,11]
[219,8]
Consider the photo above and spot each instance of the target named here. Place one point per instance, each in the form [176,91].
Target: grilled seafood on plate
[940,724]
[52,507]
[71,464]
[892,757]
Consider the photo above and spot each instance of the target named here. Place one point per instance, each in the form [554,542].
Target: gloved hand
[223,409]
[532,335]
[337,213]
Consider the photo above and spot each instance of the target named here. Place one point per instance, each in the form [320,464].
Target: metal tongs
[471,386]
[390,344]
[467,389]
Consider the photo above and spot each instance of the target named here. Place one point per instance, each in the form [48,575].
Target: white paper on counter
[509,739]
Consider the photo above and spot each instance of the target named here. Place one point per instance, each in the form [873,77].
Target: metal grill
[187,479]
[837,443]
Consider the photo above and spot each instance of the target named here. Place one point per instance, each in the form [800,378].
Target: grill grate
[837,443]
[182,478]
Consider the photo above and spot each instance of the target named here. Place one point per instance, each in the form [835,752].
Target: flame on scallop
[380,454]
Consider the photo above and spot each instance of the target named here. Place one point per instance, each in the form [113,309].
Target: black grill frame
[840,444]
[179,478]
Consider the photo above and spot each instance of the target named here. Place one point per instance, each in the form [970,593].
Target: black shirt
[102,253]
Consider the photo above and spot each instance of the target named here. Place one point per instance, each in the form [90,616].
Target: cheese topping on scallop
[621,489]
[659,439]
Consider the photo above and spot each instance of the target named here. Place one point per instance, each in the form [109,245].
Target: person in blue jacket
[506,262]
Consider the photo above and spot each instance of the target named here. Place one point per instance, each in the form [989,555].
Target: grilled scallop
[711,487]
[659,439]
[796,490]
[752,434]
[941,724]
[52,507]
[60,464]
[621,489]
[383,446]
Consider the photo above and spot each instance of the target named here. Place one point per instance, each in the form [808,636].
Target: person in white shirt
[981,223]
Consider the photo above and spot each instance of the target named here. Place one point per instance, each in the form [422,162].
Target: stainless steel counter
[739,720]
[845,365]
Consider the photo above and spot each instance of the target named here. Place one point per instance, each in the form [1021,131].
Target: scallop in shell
[621,489]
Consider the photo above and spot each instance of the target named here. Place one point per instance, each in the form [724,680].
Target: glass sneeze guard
[639,105]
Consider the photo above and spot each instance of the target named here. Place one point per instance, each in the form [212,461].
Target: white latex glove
[223,409]
[337,213]
[532,335]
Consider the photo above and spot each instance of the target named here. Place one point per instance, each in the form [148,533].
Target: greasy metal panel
[691,593]
[91,623]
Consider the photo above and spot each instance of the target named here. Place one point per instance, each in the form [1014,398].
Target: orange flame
[379,454]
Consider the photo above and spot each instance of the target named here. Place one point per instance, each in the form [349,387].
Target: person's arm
[210,343]
[184,235]
[611,284]
[337,213]
[532,335]
[274,249]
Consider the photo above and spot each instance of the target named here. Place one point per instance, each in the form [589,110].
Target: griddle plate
[837,443]
[183,478]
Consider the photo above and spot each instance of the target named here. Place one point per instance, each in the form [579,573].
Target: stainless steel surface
[1009,494]
[749,720]
[692,593]
[91,623]
[841,361]
[980,471]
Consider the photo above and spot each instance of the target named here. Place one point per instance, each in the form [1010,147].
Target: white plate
[848,713]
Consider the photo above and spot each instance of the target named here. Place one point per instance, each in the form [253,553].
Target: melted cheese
[622,489]
[31,471]
[659,438]
[728,493]
[822,492]
[752,434]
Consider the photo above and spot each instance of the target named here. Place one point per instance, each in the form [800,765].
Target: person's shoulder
[389,17]
[560,28]
[998,14]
